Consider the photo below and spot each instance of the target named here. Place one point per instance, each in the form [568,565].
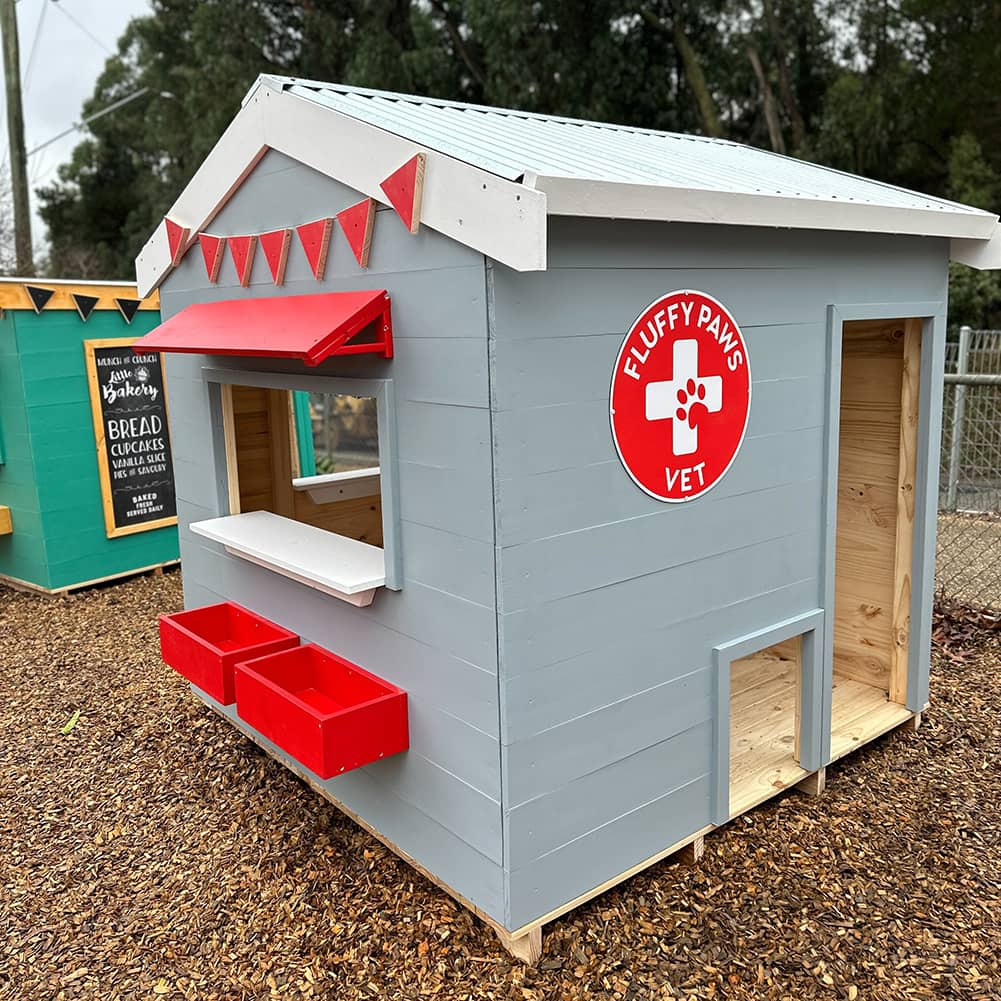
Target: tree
[974,296]
[8,249]
[891,89]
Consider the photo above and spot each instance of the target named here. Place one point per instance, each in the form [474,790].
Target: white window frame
[387,473]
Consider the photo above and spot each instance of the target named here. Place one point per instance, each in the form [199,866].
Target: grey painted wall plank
[437,792]
[546,761]
[438,435]
[549,633]
[438,370]
[437,735]
[194,483]
[548,696]
[450,562]
[569,500]
[574,562]
[548,822]
[566,873]
[454,685]
[562,302]
[450,624]
[446,303]
[564,435]
[436,845]
[625,243]
[453,500]
[547,370]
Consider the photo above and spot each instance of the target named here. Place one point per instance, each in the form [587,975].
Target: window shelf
[326,488]
[345,568]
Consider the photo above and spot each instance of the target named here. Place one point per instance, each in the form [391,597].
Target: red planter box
[205,644]
[326,712]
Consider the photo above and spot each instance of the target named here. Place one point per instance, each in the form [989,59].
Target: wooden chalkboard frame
[113,530]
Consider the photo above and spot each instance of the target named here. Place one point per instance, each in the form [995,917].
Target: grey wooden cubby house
[595,675]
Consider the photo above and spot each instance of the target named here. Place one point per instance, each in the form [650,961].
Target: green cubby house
[54,534]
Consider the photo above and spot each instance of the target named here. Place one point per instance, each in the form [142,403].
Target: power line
[97,41]
[34,46]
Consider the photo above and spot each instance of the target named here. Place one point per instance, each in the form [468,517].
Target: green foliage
[974,296]
[897,90]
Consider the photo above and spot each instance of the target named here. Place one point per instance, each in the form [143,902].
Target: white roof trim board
[494,176]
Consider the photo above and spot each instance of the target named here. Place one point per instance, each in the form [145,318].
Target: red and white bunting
[213,250]
[405,190]
[275,246]
[177,237]
[242,248]
[356,222]
[315,239]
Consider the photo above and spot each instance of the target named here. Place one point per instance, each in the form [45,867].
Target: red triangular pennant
[275,246]
[315,239]
[177,236]
[242,248]
[213,248]
[356,224]
[405,190]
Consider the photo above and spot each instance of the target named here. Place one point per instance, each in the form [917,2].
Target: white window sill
[345,568]
[329,487]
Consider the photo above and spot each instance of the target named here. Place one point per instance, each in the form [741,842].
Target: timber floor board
[763,726]
[861,713]
[762,730]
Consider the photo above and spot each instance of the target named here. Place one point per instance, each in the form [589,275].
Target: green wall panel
[22,554]
[51,470]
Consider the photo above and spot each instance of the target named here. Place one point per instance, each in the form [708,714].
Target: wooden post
[693,851]
[15,134]
[814,785]
[958,420]
[903,555]
[526,948]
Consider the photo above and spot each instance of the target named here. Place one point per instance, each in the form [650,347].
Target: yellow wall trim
[13,295]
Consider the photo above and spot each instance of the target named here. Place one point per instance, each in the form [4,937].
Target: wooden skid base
[57,592]
[525,943]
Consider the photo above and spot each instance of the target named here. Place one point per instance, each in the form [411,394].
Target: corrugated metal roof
[494,177]
[516,145]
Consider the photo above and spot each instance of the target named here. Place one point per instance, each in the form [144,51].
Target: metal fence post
[958,417]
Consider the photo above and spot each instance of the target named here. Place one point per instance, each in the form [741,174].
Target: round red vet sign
[680,396]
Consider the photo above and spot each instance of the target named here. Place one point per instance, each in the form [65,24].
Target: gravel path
[153,852]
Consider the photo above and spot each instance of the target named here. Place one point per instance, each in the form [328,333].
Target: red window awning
[308,327]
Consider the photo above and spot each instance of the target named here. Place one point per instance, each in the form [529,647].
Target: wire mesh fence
[969,525]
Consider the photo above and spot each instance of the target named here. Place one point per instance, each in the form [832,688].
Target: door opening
[880,367]
[765,713]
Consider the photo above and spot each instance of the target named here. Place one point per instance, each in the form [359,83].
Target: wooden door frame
[932,316]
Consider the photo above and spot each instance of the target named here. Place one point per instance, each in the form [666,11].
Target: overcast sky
[71,40]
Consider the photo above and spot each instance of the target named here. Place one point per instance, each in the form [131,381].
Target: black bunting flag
[128,308]
[39,296]
[84,304]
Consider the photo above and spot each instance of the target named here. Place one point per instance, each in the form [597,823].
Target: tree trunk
[767,102]
[785,84]
[692,68]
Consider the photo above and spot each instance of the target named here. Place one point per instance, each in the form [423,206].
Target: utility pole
[15,134]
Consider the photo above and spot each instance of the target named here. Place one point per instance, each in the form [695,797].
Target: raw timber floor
[152,851]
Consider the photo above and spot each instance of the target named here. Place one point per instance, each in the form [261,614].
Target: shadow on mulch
[151,851]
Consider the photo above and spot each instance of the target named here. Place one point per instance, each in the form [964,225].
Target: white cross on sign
[674,399]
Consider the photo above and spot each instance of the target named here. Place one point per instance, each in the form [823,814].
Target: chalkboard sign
[128,400]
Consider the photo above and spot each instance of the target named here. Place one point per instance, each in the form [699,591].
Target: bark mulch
[151,851]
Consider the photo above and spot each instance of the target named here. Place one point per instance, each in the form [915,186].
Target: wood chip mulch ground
[151,851]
